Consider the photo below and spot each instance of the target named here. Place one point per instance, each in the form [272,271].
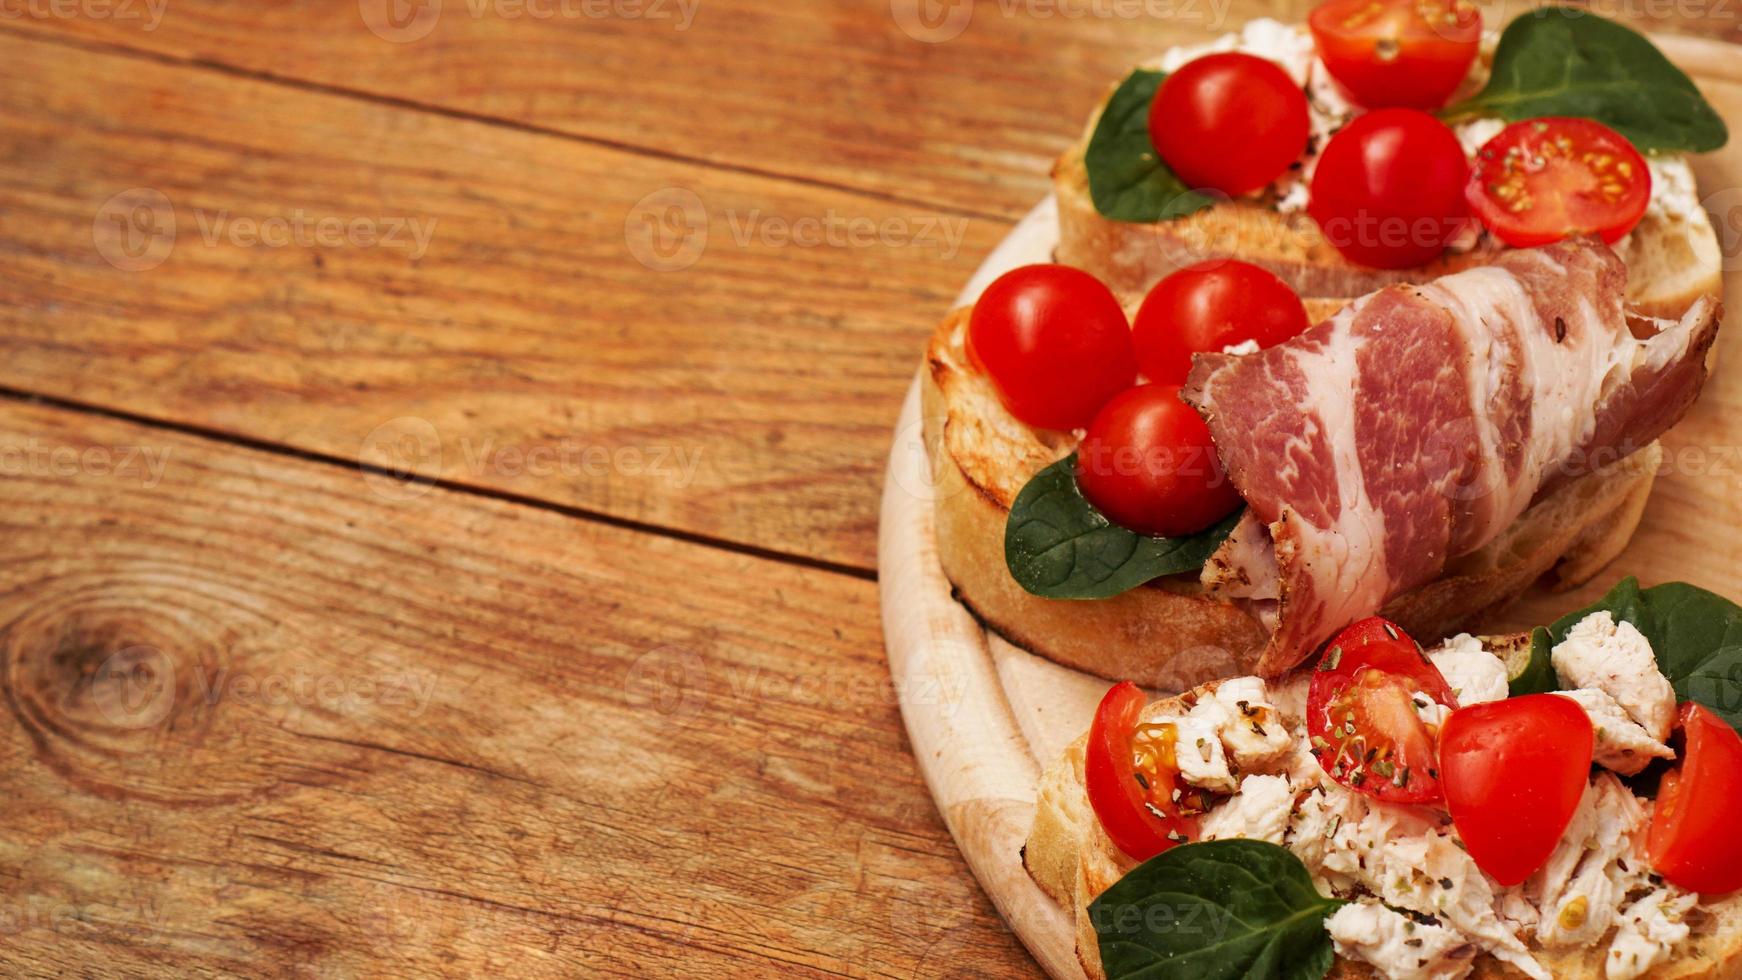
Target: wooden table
[441,449]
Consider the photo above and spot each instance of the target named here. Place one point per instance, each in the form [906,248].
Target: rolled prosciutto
[1415,425]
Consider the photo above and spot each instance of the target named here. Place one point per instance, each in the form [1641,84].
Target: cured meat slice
[1418,423]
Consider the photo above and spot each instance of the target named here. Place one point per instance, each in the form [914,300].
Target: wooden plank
[837,91]
[960,104]
[257,717]
[725,378]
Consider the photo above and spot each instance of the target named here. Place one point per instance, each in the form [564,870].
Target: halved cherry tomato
[1055,343]
[1148,464]
[1542,180]
[1364,713]
[1693,841]
[1411,53]
[1388,190]
[1514,771]
[1131,776]
[1231,122]
[1208,307]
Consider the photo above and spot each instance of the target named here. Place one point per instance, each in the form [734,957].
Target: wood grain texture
[959,104]
[267,716]
[539,343]
[964,107]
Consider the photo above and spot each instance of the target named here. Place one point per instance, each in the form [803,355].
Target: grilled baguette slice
[1072,859]
[1167,634]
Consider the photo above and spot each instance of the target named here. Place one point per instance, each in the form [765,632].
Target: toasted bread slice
[1672,259]
[1073,860]
[1167,634]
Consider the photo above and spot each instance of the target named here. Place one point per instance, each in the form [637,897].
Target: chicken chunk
[1253,732]
[1617,659]
[1621,745]
[1398,946]
[1474,674]
[1199,755]
[1650,930]
[1258,812]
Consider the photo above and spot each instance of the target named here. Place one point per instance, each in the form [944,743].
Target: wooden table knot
[115,683]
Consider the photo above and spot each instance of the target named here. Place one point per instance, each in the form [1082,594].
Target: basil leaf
[1127,180]
[1218,910]
[1563,62]
[1058,546]
[1697,636]
[1538,675]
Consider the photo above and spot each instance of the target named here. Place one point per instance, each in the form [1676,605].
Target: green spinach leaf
[1561,61]
[1697,636]
[1058,546]
[1219,910]
[1127,180]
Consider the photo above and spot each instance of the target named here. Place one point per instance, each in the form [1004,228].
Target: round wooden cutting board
[985,717]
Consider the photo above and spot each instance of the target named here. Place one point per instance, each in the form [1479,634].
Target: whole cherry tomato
[1130,772]
[1365,713]
[1514,771]
[1388,190]
[1693,841]
[1231,122]
[1411,53]
[1148,464]
[1542,180]
[1212,306]
[1055,343]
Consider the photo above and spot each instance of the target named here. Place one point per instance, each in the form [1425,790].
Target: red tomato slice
[1693,841]
[1209,307]
[1131,777]
[1363,717]
[1148,463]
[1409,53]
[1542,180]
[1514,771]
